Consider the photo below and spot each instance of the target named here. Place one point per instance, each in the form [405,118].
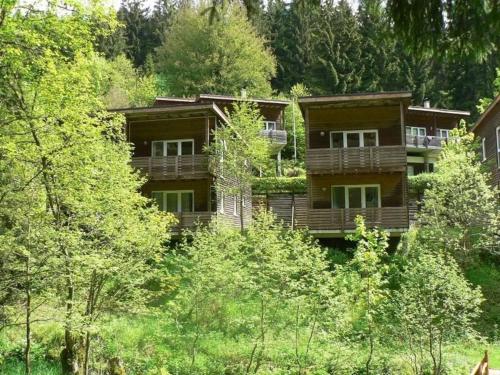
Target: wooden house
[487,128]
[169,146]
[355,162]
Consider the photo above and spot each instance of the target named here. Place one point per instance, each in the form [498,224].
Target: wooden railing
[171,167]
[482,368]
[420,141]
[345,160]
[189,220]
[343,219]
[275,136]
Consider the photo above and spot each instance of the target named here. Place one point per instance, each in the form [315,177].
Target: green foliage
[434,305]
[223,57]
[460,214]
[261,185]
[485,102]
[421,182]
[120,85]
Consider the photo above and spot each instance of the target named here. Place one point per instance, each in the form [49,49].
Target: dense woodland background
[328,46]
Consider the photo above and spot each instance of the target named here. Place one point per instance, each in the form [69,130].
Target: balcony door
[353,138]
[174,147]
[174,201]
[356,196]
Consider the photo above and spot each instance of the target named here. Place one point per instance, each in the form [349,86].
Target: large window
[174,147]
[174,201]
[444,133]
[483,149]
[415,130]
[356,196]
[269,125]
[354,138]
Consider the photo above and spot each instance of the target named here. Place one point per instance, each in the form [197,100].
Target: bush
[262,185]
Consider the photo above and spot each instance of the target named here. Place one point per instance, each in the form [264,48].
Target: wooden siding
[225,206]
[487,130]
[190,220]
[328,219]
[142,133]
[343,219]
[200,188]
[431,121]
[173,167]
[355,160]
[392,188]
[386,119]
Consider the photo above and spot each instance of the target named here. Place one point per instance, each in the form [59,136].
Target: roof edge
[439,110]
[493,104]
[355,97]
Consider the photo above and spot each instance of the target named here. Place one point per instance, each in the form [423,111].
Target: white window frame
[446,131]
[498,145]
[179,202]
[483,149]
[179,146]
[418,131]
[221,208]
[363,194]
[273,123]
[361,138]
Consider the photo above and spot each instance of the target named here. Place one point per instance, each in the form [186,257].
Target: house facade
[487,128]
[355,162]
[360,150]
[169,143]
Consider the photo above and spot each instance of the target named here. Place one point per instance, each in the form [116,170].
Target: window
[498,146]
[444,133]
[174,201]
[235,206]
[269,125]
[415,130]
[356,196]
[221,209]
[483,149]
[355,138]
[410,170]
[172,147]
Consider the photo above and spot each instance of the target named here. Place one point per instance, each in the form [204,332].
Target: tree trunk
[27,349]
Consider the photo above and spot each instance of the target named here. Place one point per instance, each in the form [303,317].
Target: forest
[93,282]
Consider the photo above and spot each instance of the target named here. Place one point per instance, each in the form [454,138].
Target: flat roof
[439,110]
[355,97]
[486,113]
[173,109]
[222,97]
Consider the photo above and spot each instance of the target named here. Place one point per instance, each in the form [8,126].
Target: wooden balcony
[424,142]
[277,137]
[189,220]
[173,167]
[340,219]
[354,160]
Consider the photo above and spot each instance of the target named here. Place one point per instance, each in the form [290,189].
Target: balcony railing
[189,220]
[345,160]
[172,167]
[424,141]
[340,219]
[275,136]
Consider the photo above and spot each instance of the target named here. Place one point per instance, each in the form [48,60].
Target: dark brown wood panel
[487,130]
[201,189]
[391,188]
[141,134]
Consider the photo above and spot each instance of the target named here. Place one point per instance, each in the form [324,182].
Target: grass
[16,367]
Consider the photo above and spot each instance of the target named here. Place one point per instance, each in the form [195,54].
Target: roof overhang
[230,98]
[439,111]
[356,100]
[173,111]
[485,114]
